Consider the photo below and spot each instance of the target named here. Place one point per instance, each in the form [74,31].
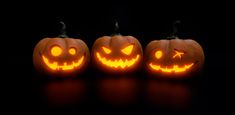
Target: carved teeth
[65,66]
[116,63]
[175,68]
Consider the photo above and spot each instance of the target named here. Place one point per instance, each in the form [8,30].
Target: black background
[210,24]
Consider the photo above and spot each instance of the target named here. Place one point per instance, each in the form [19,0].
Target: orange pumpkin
[61,55]
[174,57]
[117,53]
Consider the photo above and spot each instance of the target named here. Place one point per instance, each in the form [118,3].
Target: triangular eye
[106,50]
[127,50]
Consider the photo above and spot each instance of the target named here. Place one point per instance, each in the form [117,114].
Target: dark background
[210,24]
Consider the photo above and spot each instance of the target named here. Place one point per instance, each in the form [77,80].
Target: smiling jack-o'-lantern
[117,53]
[174,57]
[61,55]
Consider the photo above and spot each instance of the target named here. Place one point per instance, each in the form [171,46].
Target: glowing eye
[72,51]
[127,50]
[179,54]
[158,54]
[56,50]
[106,50]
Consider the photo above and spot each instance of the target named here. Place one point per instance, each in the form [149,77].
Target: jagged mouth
[65,66]
[174,68]
[117,63]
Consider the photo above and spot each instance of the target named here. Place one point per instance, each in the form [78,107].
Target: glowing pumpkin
[61,55]
[117,53]
[174,57]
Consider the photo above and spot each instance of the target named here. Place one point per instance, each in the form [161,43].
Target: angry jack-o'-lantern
[117,53]
[61,55]
[174,57]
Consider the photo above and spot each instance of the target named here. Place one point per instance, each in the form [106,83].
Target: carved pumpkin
[174,57]
[117,53]
[61,55]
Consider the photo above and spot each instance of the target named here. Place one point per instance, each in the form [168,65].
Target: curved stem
[175,29]
[116,29]
[63,32]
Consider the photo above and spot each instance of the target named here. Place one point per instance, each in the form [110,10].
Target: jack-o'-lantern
[61,55]
[117,53]
[174,57]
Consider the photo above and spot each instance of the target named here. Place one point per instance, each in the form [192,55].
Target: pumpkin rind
[191,53]
[115,44]
[43,49]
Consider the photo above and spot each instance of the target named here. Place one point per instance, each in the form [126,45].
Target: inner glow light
[56,51]
[65,66]
[127,50]
[179,54]
[175,68]
[106,50]
[72,51]
[117,63]
[158,54]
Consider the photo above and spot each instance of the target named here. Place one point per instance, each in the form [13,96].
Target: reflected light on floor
[64,93]
[118,91]
[168,94]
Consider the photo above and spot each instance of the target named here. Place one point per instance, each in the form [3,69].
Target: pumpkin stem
[63,32]
[175,29]
[116,29]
